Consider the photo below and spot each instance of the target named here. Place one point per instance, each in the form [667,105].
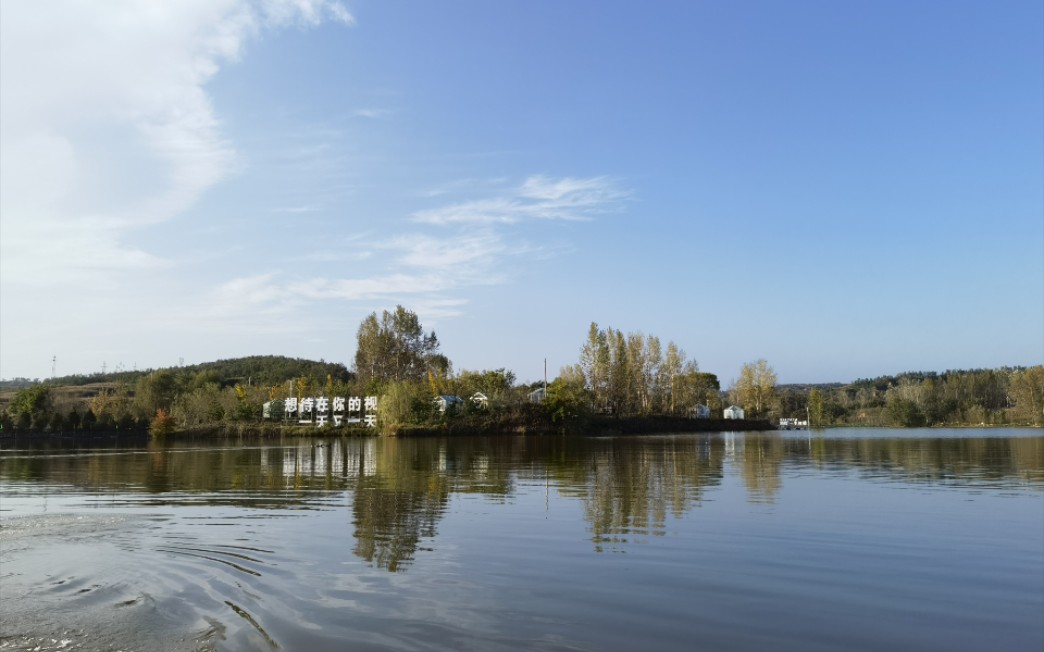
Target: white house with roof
[734,412]
[701,411]
[447,403]
[480,400]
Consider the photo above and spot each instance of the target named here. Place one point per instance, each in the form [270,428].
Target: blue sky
[844,189]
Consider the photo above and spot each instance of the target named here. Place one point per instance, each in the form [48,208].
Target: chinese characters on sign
[320,410]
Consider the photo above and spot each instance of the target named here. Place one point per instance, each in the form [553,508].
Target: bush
[403,403]
[906,413]
[162,424]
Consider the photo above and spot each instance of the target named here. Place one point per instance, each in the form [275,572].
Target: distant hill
[255,369]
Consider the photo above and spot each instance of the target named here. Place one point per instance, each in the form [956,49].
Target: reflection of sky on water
[522,543]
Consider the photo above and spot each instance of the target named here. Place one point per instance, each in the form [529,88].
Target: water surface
[841,539]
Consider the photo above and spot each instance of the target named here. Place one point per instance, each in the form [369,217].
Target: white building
[734,412]
[447,403]
[701,411]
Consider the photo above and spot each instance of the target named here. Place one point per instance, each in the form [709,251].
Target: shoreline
[593,427]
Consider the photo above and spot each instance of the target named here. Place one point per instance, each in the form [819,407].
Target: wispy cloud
[310,13]
[538,198]
[427,269]
[446,252]
[372,114]
[308,208]
[450,249]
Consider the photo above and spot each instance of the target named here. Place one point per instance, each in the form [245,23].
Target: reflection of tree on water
[633,484]
[390,523]
[400,504]
[935,460]
[402,501]
[629,486]
[760,458]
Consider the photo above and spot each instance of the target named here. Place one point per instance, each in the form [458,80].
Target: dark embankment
[521,422]
[591,426]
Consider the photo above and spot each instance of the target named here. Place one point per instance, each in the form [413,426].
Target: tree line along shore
[626,383]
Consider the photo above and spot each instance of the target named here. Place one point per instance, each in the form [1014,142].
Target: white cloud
[538,198]
[447,252]
[305,12]
[106,127]
[372,114]
[105,123]
[307,208]
[469,247]
[435,266]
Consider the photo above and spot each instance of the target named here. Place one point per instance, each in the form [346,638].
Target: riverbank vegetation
[620,383]
[990,397]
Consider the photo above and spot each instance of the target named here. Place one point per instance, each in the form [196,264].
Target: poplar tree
[595,364]
[669,371]
[395,347]
[756,386]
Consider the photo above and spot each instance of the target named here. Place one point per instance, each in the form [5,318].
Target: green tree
[1027,391]
[493,383]
[154,392]
[395,347]
[567,397]
[200,406]
[31,405]
[55,422]
[905,412]
[403,403]
[815,407]
[619,396]
[105,421]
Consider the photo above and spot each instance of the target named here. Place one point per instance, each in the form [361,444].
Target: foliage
[395,348]
[906,413]
[31,400]
[404,402]
[496,384]
[815,407]
[1027,390]
[154,392]
[974,397]
[630,374]
[620,374]
[251,370]
[755,390]
[162,424]
[567,399]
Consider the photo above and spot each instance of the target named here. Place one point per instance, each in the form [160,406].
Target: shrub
[162,424]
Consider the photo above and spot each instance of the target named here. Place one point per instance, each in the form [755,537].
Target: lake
[853,539]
